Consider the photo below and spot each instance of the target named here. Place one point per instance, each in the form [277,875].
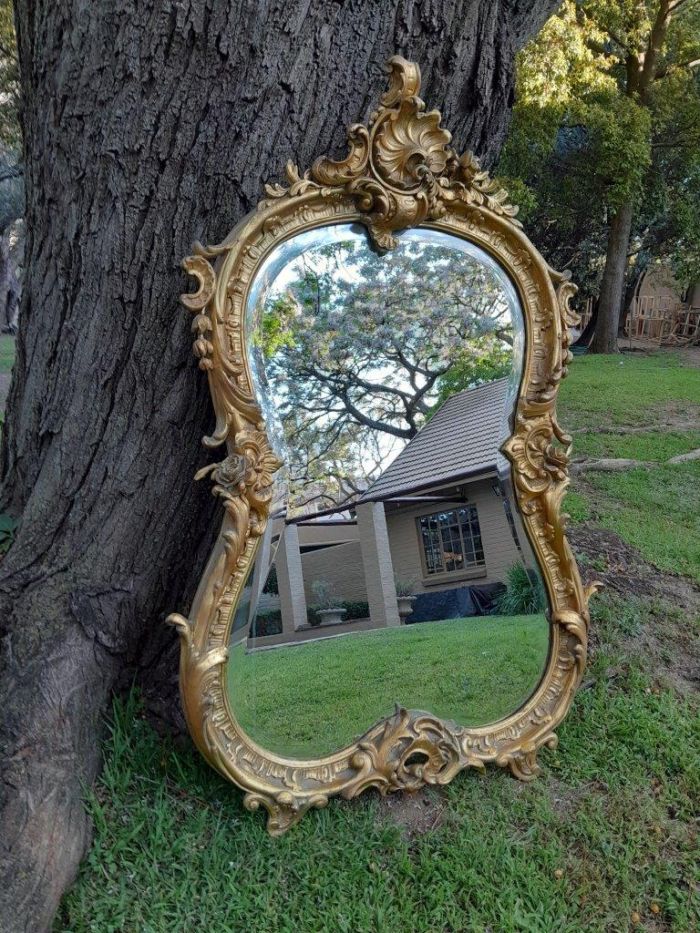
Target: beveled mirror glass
[381,580]
[391,597]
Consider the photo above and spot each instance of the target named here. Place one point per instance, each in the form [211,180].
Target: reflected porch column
[260,572]
[377,565]
[290,580]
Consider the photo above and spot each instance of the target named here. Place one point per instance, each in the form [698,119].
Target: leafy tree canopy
[590,131]
[11,175]
[10,135]
[361,348]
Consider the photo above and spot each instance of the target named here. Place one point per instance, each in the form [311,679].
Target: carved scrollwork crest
[400,169]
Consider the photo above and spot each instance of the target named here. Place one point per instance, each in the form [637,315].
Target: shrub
[524,593]
[353,610]
[357,610]
[266,623]
[323,595]
[405,586]
[312,616]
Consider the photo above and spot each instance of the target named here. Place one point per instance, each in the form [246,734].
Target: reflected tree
[360,349]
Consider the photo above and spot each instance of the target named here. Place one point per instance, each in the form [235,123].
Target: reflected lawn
[313,698]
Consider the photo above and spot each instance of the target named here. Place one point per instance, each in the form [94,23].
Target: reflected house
[439,516]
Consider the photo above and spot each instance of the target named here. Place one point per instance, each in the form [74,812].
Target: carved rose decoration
[261,463]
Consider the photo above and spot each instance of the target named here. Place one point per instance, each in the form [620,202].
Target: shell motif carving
[400,171]
[410,145]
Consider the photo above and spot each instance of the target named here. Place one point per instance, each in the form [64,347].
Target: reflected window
[451,540]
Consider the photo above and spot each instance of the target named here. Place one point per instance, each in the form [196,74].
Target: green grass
[7,353]
[608,829]
[629,389]
[174,849]
[312,699]
[655,510]
[647,446]
[576,506]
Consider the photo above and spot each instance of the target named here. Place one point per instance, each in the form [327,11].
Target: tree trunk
[147,126]
[5,284]
[613,285]
[9,285]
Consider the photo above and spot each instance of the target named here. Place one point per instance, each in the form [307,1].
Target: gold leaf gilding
[399,172]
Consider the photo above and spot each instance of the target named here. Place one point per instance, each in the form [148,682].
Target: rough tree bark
[147,126]
[612,287]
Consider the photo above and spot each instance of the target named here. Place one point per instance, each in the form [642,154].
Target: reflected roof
[460,440]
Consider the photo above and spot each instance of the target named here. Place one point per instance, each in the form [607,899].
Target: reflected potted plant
[326,604]
[405,596]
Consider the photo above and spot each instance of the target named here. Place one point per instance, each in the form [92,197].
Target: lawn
[313,698]
[655,507]
[657,510]
[647,446]
[632,390]
[605,841]
[606,831]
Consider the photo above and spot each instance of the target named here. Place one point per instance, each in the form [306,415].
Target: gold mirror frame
[400,172]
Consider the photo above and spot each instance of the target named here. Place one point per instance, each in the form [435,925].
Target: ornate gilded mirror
[391,597]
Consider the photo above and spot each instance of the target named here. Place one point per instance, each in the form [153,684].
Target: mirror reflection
[395,567]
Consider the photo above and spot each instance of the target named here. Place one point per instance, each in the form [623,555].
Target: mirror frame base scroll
[400,172]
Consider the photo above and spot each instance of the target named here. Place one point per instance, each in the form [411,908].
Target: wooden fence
[585,313]
[662,320]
